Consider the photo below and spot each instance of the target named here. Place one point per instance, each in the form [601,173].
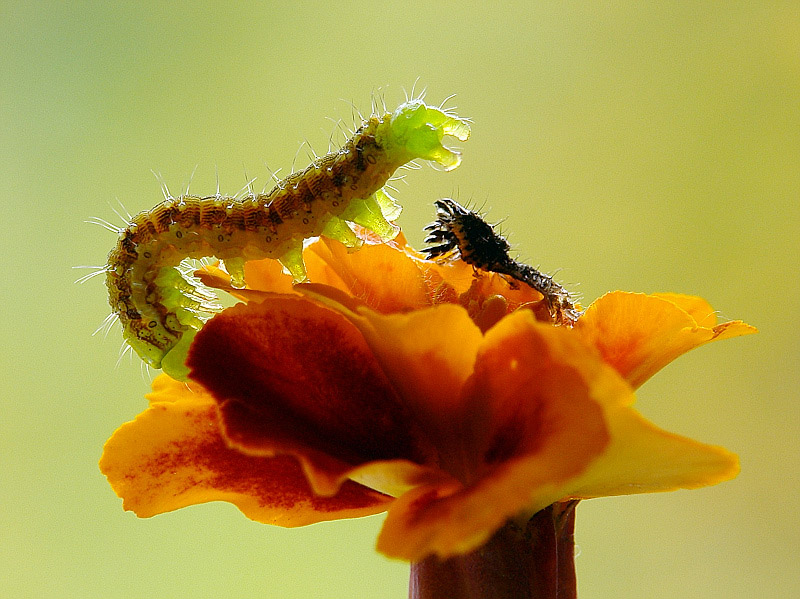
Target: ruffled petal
[427,354]
[213,276]
[267,275]
[643,458]
[294,377]
[534,384]
[173,455]
[640,458]
[698,308]
[382,276]
[639,334]
[532,422]
[456,281]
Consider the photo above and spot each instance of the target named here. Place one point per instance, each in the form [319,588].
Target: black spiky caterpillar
[458,231]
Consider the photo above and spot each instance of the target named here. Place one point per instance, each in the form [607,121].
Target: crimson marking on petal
[306,370]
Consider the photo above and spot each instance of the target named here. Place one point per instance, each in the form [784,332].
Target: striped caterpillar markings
[160,311]
[460,232]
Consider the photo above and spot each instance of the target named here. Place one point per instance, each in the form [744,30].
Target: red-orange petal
[639,334]
[294,377]
[174,455]
[532,421]
[446,519]
[427,354]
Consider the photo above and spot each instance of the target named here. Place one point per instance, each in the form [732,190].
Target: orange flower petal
[455,273]
[294,377]
[397,477]
[380,275]
[173,455]
[473,287]
[639,334]
[643,458]
[533,382]
[213,276]
[698,308]
[267,275]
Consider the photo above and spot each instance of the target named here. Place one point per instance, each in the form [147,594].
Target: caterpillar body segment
[460,232]
[160,310]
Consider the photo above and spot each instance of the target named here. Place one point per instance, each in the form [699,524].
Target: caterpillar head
[415,130]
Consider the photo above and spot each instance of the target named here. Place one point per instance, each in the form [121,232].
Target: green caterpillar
[160,311]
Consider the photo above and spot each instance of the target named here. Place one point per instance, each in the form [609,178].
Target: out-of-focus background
[636,146]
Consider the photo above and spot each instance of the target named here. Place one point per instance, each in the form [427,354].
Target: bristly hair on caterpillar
[161,311]
[462,233]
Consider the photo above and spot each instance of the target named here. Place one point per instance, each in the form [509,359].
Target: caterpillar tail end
[369,213]
[150,354]
[174,361]
[168,355]
[416,131]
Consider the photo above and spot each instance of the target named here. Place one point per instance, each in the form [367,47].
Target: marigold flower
[438,394]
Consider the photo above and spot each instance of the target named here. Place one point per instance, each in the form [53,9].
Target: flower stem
[531,562]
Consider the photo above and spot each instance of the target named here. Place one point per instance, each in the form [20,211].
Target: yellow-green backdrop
[637,146]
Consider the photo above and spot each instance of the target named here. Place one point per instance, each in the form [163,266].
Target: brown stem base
[534,562]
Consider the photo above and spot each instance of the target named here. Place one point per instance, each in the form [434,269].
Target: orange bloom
[426,390]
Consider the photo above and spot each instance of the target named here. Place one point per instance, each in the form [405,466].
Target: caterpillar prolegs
[462,232]
[160,310]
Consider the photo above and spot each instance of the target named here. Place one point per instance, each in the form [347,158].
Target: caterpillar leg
[292,260]
[368,213]
[235,268]
[390,207]
[174,361]
[338,229]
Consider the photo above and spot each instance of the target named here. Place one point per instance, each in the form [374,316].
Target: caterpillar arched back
[462,232]
[160,310]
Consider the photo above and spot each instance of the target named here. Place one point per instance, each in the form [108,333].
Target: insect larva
[462,232]
[160,310]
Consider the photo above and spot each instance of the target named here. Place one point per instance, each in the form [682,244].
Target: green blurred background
[637,146]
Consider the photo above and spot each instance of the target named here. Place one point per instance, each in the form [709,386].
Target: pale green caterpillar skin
[160,311]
